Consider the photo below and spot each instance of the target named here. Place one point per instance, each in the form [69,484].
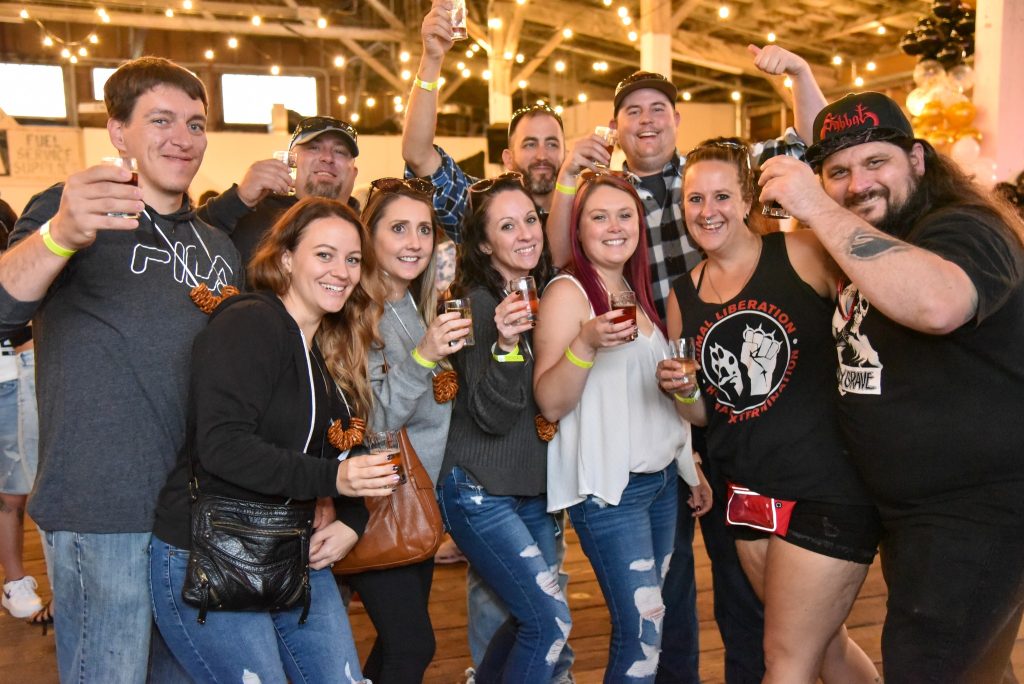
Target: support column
[499,88]
[999,83]
[655,41]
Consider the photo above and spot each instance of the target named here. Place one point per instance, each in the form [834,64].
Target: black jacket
[250,412]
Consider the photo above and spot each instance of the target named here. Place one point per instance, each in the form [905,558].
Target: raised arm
[808,99]
[914,287]
[261,179]
[421,115]
[29,268]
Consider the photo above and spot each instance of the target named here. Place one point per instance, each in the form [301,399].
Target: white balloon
[963,76]
[927,70]
[985,171]
[965,152]
[916,100]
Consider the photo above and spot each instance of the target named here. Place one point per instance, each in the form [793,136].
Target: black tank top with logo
[768,369]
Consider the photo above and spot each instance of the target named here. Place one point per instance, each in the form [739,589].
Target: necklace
[341,439]
[446,383]
[746,279]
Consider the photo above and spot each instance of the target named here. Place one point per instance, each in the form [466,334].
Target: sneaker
[20,598]
[470,675]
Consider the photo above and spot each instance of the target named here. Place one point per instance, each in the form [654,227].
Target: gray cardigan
[404,396]
[493,435]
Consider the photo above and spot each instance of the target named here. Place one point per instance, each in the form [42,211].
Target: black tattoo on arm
[867,246]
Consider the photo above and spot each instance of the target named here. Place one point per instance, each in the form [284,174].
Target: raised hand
[367,475]
[88,197]
[445,335]
[262,178]
[510,319]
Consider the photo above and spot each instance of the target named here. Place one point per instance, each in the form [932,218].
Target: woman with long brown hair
[271,373]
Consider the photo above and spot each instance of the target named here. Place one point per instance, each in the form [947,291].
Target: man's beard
[537,184]
[899,220]
[325,190]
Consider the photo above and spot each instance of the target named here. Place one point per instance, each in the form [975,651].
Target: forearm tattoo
[867,246]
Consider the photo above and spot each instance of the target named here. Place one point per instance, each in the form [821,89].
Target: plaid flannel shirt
[669,250]
[451,194]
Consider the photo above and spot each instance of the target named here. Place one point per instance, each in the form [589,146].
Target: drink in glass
[774,209]
[288,157]
[465,311]
[684,350]
[627,302]
[459,31]
[132,165]
[386,442]
[609,136]
[527,287]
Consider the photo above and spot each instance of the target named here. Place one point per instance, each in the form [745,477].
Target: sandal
[44,617]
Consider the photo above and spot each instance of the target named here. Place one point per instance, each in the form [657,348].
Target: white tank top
[622,424]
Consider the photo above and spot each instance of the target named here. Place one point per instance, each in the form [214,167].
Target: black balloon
[1008,192]
[968,46]
[965,24]
[945,28]
[945,9]
[908,44]
[925,22]
[951,54]
[1020,183]
[930,41]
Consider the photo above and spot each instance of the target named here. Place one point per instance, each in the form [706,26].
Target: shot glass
[610,137]
[527,287]
[459,31]
[132,165]
[626,301]
[465,311]
[684,350]
[386,442]
[287,157]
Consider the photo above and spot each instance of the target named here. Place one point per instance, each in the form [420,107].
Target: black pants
[397,602]
[955,574]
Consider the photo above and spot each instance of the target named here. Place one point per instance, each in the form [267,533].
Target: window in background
[249,99]
[99,79]
[33,90]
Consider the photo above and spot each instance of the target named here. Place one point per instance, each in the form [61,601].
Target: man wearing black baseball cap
[931,382]
[325,150]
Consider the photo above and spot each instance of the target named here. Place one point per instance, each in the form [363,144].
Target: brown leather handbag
[404,528]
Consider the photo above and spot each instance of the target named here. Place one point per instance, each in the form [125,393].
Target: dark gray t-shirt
[113,341]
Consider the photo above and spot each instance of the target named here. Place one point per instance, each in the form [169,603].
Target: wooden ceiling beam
[683,11]
[372,62]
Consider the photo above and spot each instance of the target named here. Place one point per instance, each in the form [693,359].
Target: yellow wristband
[565,189]
[418,358]
[577,361]
[692,399]
[429,87]
[52,245]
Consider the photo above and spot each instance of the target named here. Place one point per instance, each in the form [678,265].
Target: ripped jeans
[630,546]
[510,541]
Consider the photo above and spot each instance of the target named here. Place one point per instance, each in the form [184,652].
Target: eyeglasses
[484,187]
[532,109]
[420,186]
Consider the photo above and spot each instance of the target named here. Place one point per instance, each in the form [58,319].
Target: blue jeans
[738,611]
[103,617]
[510,540]
[629,547]
[486,613]
[252,646]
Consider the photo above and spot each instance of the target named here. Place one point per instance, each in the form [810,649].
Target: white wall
[228,155]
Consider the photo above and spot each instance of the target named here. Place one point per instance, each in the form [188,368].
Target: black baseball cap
[312,126]
[856,119]
[638,80]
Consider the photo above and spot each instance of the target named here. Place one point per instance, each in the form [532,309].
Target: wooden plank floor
[28,657]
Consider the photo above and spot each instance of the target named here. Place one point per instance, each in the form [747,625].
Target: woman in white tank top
[620,443]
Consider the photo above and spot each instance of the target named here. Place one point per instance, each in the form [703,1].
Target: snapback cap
[638,80]
[856,119]
[312,126]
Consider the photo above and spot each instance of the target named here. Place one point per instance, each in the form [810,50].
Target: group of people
[854,390]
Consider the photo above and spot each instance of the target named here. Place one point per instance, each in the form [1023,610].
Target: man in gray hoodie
[109,299]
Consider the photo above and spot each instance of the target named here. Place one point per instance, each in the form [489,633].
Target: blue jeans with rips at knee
[630,546]
[510,540]
[254,647]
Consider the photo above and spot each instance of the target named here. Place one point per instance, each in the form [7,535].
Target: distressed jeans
[630,547]
[510,540]
[253,647]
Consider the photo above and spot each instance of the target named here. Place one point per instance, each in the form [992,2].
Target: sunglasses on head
[523,111]
[420,186]
[326,122]
[726,145]
[484,187]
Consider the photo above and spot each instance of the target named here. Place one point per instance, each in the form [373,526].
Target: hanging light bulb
[788,82]
[723,12]
[321,23]
[771,36]
[354,117]
[23,14]
[582,97]
[73,59]
[406,74]
[837,60]
[65,53]
[93,38]
[859,82]
[371,102]
[522,84]
[186,4]
[559,66]
[632,36]
[486,75]
[82,52]
[257,20]
[275,70]
[342,99]
[687,96]
[233,43]
[567,33]
[47,41]
[208,54]
[870,66]
[403,56]
[169,13]
[735,95]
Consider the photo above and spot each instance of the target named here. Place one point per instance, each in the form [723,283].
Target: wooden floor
[28,657]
